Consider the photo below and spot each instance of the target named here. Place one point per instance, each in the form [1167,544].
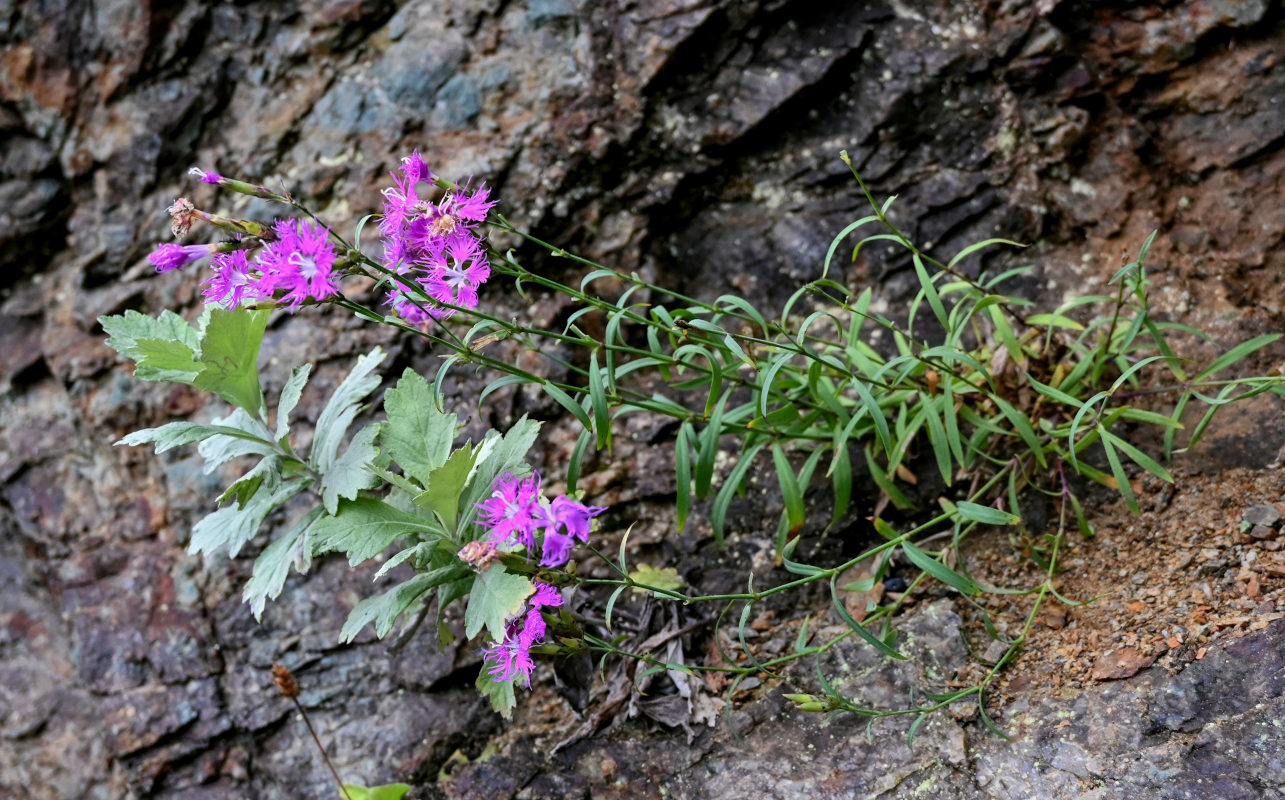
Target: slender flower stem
[324,755]
[289,688]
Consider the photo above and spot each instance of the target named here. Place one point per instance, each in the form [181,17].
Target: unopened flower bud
[206,177]
[172,256]
[238,186]
[243,227]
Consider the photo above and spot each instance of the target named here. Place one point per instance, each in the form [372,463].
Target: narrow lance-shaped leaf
[598,402]
[790,489]
[1117,471]
[986,515]
[707,447]
[724,499]
[939,570]
[857,627]
[1236,353]
[930,291]
[565,400]
[683,472]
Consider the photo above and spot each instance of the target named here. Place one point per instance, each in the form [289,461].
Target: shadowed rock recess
[693,141]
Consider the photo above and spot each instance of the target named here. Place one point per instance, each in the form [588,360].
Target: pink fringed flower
[510,659]
[516,511]
[434,247]
[233,281]
[513,510]
[567,521]
[471,207]
[300,262]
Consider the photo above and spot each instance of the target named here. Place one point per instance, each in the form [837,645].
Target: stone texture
[693,141]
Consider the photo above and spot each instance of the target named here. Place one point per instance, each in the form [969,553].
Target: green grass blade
[973,248]
[1237,353]
[1117,471]
[791,492]
[563,399]
[718,513]
[937,438]
[939,570]
[598,402]
[683,471]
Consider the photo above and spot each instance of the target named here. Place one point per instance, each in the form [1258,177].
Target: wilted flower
[182,213]
[479,555]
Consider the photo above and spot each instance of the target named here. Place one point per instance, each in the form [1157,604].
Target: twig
[289,687]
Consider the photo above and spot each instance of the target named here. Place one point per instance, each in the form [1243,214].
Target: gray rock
[1262,514]
[458,103]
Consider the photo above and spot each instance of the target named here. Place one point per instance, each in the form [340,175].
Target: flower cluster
[516,511]
[297,264]
[432,247]
[511,658]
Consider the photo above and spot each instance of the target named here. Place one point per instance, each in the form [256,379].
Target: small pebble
[895,584]
[1263,532]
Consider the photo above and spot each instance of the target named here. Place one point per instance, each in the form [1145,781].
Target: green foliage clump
[968,383]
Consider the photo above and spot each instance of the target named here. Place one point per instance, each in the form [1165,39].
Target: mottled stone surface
[692,141]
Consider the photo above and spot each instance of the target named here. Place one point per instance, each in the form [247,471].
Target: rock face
[695,141]
[1208,731]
